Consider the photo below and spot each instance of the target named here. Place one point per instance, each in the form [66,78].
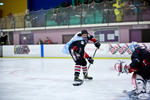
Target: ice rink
[51,79]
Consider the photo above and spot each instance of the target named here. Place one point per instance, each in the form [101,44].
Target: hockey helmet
[133,46]
[84,32]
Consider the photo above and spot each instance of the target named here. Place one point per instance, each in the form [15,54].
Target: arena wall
[15,7]
[55,35]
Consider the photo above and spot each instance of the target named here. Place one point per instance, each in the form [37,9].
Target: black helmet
[84,32]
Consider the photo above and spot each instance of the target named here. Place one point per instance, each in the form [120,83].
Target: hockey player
[140,66]
[75,47]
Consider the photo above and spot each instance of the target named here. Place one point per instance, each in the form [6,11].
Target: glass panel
[19,21]
[75,15]
[51,17]
[3,23]
[38,18]
[108,11]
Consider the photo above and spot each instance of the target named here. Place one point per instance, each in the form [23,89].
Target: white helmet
[133,46]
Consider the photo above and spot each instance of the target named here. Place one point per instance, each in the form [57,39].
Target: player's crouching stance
[75,47]
[140,66]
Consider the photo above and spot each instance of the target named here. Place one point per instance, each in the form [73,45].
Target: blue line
[42,50]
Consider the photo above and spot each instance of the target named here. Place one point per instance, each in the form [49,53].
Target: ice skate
[143,96]
[77,81]
[138,96]
[86,77]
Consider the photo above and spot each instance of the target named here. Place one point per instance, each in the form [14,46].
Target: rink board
[120,50]
[1,52]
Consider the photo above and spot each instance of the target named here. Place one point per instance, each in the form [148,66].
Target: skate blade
[88,79]
[77,83]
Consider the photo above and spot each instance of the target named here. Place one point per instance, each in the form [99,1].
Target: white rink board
[103,51]
[55,50]
[34,51]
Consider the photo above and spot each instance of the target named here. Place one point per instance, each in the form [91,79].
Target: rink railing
[120,50]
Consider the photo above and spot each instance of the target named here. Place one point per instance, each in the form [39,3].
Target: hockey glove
[97,44]
[90,59]
[121,67]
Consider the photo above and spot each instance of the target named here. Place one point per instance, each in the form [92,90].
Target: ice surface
[51,79]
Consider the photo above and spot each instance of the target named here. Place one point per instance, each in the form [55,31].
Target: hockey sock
[84,68]
[77,70]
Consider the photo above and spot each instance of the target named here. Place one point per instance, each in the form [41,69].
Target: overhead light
[1,4]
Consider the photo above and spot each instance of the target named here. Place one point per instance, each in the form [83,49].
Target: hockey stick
[92,57]
[90,63]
